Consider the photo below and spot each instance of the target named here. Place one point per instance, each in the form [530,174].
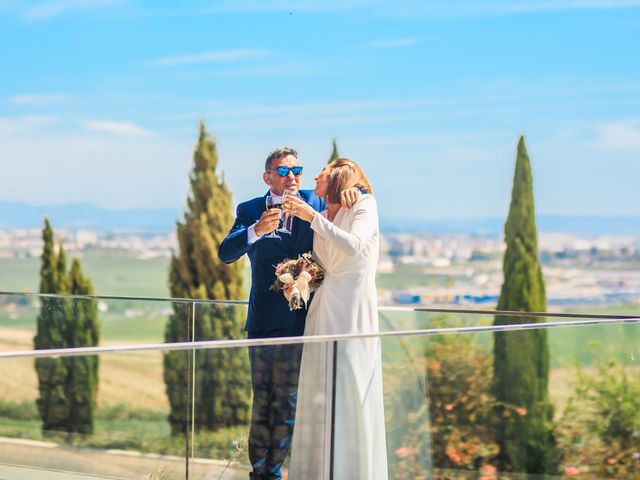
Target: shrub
[452,425]
[601,423]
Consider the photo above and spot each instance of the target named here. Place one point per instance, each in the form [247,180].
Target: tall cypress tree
[221,388]
[521,359]
[67,386]
[83,371]
[52,403]
[334,152]
[48,260]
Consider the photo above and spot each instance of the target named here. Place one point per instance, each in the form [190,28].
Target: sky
[100,99]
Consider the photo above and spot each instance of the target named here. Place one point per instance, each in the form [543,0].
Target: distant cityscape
[578,270]
[420,268]
[25,243]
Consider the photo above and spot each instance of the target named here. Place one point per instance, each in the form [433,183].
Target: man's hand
[349,197]
[268,222]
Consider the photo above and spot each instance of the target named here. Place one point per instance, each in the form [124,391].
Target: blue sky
[100,99]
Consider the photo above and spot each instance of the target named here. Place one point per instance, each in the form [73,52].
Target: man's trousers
[274,378]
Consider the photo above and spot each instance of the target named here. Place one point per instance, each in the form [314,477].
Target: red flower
[403,452]
[452,453]
[448,407]
[570,471]
[489,469]
[611,460]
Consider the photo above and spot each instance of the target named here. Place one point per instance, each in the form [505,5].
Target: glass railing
[420,399]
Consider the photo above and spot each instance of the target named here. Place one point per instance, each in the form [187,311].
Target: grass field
[111,275]
[406,276]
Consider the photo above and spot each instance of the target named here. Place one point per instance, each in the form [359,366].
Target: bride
[341,430]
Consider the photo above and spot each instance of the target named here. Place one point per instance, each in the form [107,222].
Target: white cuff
[314,221]
[252,237]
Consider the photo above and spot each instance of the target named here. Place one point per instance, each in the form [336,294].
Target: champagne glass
[287,220]
[274,202]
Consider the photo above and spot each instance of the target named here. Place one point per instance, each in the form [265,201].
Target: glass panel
[136,321]
[49,421]
[18,316]
[443,412]
[377,416]
[393,319]
[449,402]
[405,367]
[313,445]
[121,321]
[222,394]
[454,427]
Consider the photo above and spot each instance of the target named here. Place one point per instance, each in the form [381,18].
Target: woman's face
[322,181]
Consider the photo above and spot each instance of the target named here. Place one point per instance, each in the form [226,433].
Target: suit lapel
[263,206]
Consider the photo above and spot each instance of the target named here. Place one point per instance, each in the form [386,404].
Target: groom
[274,369]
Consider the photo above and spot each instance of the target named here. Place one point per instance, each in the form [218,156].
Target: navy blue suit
[274,370]
[268,310]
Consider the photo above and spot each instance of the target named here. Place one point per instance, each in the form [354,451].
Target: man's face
[278,184]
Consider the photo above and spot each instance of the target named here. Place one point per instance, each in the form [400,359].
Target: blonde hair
[344,174]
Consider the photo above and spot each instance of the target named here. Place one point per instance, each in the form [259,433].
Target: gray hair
[278,153]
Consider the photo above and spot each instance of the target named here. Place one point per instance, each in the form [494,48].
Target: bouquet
[297,279]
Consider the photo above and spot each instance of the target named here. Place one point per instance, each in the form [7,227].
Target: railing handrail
[503,313]
[256,342]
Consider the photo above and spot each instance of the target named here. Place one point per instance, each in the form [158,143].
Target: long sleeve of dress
[363,227]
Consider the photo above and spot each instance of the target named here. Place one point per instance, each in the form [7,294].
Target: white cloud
[116,128]
[394,43]
[207,57]
[623,136]
[38,99]
[45,10]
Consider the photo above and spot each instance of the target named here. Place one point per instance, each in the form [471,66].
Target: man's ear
[267,178]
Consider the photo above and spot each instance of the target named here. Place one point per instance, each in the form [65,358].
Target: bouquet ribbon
[296,289]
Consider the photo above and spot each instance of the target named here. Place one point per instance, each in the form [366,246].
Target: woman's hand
[349,197]
[298,208]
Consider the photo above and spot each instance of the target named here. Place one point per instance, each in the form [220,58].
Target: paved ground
[34,460]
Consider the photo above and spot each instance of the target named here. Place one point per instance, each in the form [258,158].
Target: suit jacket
[268,310]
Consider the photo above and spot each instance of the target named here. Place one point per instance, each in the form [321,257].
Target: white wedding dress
[346,302]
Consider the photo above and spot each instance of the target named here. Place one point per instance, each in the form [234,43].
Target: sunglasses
[284,171]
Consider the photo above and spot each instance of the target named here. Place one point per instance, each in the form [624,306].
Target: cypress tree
[48,260]
[334,152]
[83,371]
[521,359]
[221,388]
[53,405]
[67,386]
